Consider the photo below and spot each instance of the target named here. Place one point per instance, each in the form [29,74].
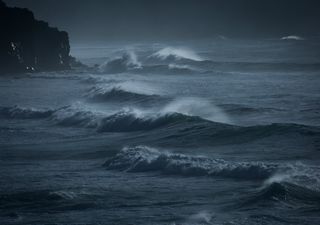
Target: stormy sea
[210,132]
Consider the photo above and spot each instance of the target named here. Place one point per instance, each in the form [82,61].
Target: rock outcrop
[27,44]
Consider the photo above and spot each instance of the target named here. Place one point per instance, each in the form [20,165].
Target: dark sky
[103,20]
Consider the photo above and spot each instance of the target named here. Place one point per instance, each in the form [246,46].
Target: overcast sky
[103,20]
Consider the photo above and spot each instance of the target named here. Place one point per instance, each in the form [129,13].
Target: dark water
[216,132]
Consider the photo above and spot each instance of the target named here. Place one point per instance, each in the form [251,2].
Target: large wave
[125,120]
[170,53]
[179,125]
[291,183]
[146,159]
[296,184]
[128,61]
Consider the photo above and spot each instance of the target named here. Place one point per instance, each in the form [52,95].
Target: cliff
[27,44]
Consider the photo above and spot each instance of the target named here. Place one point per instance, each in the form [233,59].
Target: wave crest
[170,53]
[145,159]
[128,61]
[128,121]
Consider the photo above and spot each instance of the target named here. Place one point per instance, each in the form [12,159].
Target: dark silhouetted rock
[27,44]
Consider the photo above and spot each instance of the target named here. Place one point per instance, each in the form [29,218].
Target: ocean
[195,132]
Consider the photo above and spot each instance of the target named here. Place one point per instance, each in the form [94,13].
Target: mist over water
[222,131]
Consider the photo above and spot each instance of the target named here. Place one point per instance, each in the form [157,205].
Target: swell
[145,159]
[128,122]
[255,66]
[300,196]
[295,184]
[44,200]
[17,112]
[286,192]
[118,94]
[181,125]
[237,109]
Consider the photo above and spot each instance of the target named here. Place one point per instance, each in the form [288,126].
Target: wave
[171,69]
[299,183]
[236,109]
[119,94]
[172,54]
[290,194]
[146,159]
[125,120]
[127,62]
[132,121]
[293,37]
[183,124]
[193,106]
[44,199]
[296,184]
[17,112]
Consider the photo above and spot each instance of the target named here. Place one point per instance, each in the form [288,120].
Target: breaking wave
[180,117]
[170,53]
[132,121]
[192,106]
[126,120]
[296,184]
[145,159]
[128,61]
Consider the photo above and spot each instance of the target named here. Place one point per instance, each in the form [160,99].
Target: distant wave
[293,37]
[145,159]
[237,109]
[42,200]
[120,94]
[17,112]
[128,61]
[170,69]
[131,121]
[170,53]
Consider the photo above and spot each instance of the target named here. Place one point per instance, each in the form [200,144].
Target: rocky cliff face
[27,44]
